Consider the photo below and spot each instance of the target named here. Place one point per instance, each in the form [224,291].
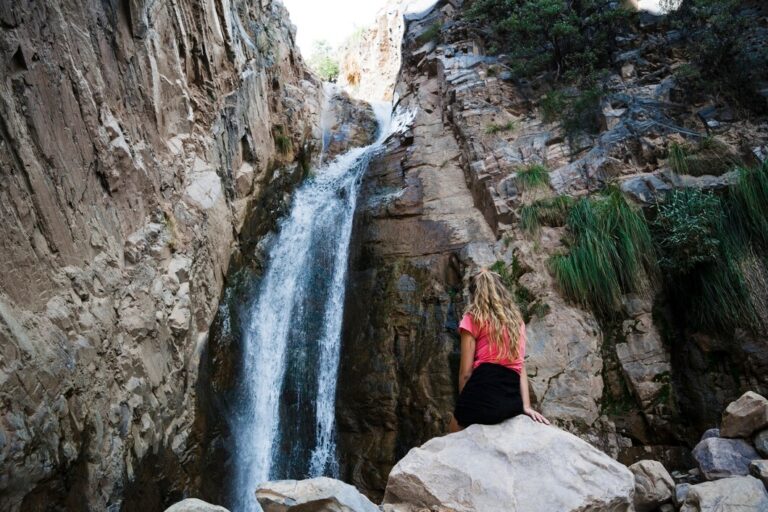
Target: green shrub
[550,211]
[583,112]
[579,113]
[324,62]
[431,34]
[610,253]
[724,59]
[492,128]
[687,226]
[713,252]
[283,143]
[552,105]
[535,176]
[568,38]
[748,212]
[708,157]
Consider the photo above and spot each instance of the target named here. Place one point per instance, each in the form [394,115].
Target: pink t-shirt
[484,352]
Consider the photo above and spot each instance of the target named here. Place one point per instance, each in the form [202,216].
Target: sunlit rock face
[370,61]
[446,198]
[137,138]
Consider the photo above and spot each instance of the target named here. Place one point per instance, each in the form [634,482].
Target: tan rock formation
[135,139]
[321,494]
[370,60]
[194,505]
[518,465]
[653,485]
[737,493]
[745,416]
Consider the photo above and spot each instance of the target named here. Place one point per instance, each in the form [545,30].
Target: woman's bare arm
[467,358]
[527,399]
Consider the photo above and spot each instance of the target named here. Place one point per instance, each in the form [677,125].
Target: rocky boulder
[653,485]
[745,416]
[314,494]
[721,458]
[738,493]
[518,465]
[195,505]
[759,469]
[761,443]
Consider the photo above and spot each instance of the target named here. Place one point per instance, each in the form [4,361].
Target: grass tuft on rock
[708,157]
[610,253]
[535,176]
[494,128]
[550,211]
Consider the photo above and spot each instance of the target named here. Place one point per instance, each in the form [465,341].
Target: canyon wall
[137,140]
[445,198]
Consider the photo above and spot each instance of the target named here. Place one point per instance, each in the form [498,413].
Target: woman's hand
[535,416]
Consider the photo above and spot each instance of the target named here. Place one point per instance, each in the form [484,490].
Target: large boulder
[742,493]
[518,465]
[721,458]
[745,416]
[315,494]
[653,485]
[761,443]
[195,505]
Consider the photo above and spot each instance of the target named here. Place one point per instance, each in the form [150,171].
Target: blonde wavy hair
[493,306]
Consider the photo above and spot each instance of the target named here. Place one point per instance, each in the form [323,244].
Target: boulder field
[524,466]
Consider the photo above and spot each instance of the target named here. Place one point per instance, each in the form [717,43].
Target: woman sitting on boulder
[493,385]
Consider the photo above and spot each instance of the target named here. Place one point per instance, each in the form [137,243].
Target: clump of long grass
[283,142]
[494,128]
[550,211]
[535,176]
[707,157]
[610,253]
[713,251]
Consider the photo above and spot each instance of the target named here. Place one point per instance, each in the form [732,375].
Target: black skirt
[490,396]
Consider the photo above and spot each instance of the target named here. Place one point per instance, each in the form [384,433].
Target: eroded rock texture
[447,197]
[519,465]
[136,137]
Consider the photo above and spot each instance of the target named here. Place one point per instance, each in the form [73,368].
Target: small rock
[759,469]
[681,491]
[653,485]
[179,268]
[179,319]
[195,505]
[761,443]
[313,494]
[712,432]
[721,458]
[667,507]
[744,416]
[730,494]
[244,179]
[628,71]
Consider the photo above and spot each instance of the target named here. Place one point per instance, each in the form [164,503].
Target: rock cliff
[448,197]
[140,142]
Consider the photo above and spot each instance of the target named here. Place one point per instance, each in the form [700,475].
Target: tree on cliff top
[571,38]
[323,61]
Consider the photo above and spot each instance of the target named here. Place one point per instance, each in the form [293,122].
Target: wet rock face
[414,223]
[136,137]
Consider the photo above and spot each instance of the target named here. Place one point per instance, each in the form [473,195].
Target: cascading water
[284,425]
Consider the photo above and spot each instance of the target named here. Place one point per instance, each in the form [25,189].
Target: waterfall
[284,425]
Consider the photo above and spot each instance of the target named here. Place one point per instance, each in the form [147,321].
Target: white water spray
[284,426]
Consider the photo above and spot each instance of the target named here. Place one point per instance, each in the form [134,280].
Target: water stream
[284,425]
